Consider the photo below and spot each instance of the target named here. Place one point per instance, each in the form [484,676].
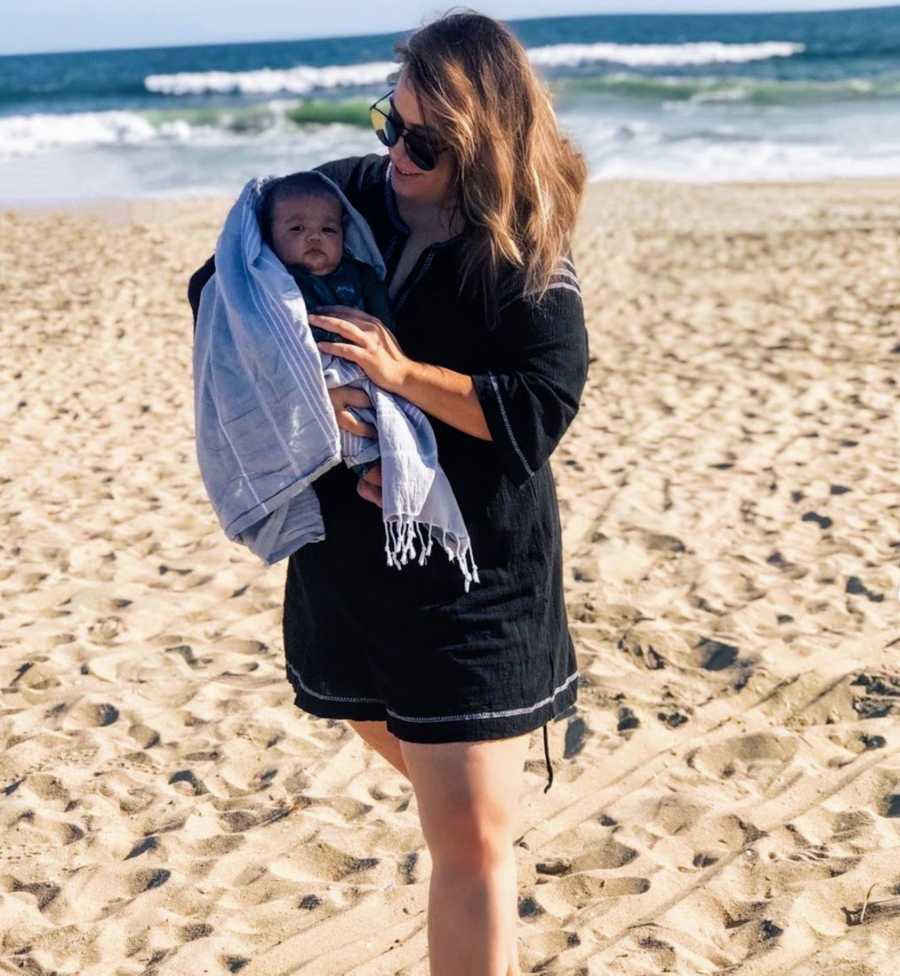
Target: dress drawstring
[547,759]
[546,742]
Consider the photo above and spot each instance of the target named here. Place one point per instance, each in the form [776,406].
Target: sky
[80,25]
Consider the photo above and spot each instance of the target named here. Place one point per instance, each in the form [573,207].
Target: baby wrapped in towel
[302,219]
[265,427]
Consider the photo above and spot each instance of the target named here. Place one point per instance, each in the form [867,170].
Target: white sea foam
[700,161]
[25,135]
[305,78]
[655,55]
[174,150]
[299,80]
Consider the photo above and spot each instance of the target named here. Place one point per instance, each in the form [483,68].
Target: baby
[301,219]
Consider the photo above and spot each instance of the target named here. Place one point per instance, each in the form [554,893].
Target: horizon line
[505,20]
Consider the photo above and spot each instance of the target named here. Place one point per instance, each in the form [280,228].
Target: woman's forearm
[447,395]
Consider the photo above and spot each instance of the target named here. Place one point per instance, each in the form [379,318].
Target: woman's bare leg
[468,794]
[377,736]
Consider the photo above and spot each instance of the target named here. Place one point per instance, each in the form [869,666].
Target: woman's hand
[342,397]
[369,344]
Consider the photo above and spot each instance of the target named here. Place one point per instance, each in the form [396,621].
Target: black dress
[368,641]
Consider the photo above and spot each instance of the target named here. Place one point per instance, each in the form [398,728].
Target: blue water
[683,97]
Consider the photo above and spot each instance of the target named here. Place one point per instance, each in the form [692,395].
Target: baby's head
[301,220]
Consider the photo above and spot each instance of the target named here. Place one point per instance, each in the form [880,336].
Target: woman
[473,208]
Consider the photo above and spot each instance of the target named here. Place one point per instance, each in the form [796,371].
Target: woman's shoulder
[511,285]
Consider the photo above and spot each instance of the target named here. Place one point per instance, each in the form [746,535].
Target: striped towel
[264,425]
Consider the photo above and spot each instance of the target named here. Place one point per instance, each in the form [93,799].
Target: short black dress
[408,646]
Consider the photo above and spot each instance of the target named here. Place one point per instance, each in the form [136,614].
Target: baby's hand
[344,397]
[369,485]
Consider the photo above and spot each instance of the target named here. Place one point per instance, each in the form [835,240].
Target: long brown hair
[519,181]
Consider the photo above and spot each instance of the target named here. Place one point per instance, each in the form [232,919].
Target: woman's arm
[437,390]
[447,395]
[524,400]
[532,390]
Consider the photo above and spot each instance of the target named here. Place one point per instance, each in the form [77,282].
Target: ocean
[675,97]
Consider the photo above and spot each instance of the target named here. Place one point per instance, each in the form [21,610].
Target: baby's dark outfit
[364,641]
[354,283]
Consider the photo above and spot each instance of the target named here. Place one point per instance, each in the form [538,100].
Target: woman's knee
[472,850]
[467,794]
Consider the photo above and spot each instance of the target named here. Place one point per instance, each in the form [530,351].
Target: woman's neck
[429,220]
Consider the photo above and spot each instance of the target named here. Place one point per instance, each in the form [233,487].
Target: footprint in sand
[147,879]
[607,856]
[93,714]
[581,890]
[44,892]
[105,630]
[577,732]
[881,696]
[761,756]
[889,806]
[192,785]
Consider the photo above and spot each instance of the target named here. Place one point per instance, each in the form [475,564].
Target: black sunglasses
[422,149]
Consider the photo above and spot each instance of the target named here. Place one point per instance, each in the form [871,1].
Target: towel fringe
[401,532]
[421,545]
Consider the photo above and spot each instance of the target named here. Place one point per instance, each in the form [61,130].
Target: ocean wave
[656,55]
[269,81]
[304,78]
[700,161]
[732,89]
[24,135]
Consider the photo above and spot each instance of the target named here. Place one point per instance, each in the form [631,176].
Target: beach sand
[727,796]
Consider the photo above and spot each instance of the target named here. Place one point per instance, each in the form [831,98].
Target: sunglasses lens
[384,128]
[419,151]
[388,128]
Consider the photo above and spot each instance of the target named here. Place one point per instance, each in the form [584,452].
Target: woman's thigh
[376,734]
[468,796]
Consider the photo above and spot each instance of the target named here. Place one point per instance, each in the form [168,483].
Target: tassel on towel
[400,545]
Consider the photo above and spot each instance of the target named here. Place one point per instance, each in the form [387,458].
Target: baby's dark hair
[306,184]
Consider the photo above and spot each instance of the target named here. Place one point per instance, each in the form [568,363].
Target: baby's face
[308,231]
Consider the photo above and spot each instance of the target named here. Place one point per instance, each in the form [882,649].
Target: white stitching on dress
[556,284]
[567,274]
[475,715]
[562,284]
[440,718]
[316,694]
[506,423]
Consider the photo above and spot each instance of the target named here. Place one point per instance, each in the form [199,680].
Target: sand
[727,796]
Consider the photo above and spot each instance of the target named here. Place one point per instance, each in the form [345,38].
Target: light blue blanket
[264,425]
